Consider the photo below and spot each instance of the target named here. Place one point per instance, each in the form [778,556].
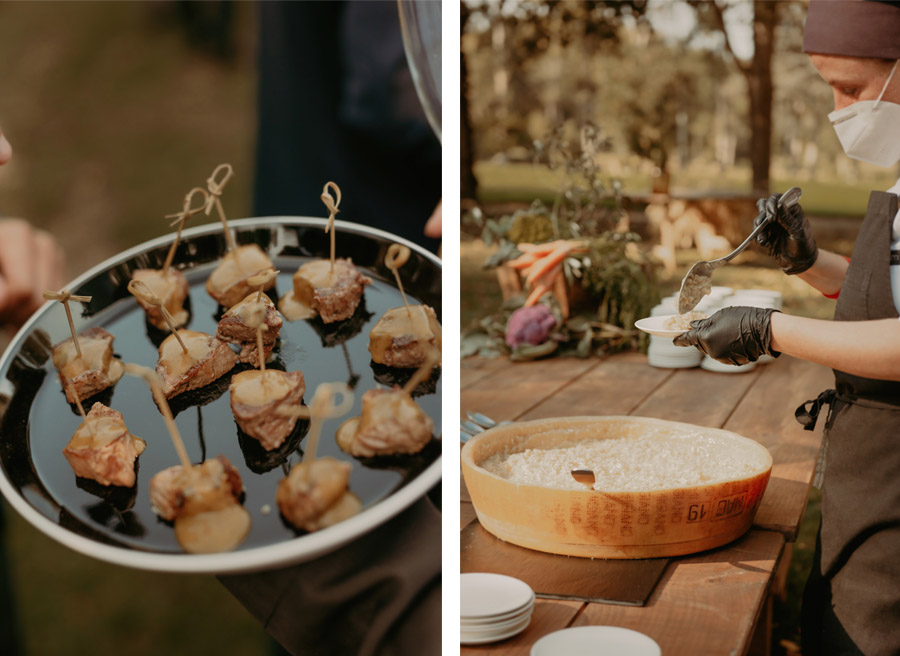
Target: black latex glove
[788,238]
[733,335]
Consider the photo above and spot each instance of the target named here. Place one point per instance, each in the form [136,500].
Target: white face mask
[869,130]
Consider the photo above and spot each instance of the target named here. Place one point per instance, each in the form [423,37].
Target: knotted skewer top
[321,407]
[261,280]
[331,204]
[397,255]
[142,290]
[215,186]
[181,218]
[64,296]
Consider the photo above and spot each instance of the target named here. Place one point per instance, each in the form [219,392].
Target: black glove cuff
[802,265]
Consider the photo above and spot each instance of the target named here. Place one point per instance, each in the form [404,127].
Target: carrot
[536,293]
[522,261]
[547,263]
[559,290]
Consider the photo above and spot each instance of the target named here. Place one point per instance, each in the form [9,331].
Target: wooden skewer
[215,188]
[331,203]
[397,255]
[80,408]
[180,219]
[321,408]
[64,296]
[142,291]
[256,318]
[422,372]
[261,279]
[152,379]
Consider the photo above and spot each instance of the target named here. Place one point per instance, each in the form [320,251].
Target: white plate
[502,622]
[492,595]
[656,326]
[469,638]
[594,640]
[709,364]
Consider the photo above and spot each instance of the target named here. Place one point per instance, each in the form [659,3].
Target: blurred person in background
[30,262]
[337,102]
[851,604]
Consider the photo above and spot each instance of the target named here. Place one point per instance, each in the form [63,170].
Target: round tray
[615,524]
[116,524]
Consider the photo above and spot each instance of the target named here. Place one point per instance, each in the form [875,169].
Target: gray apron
[852,600]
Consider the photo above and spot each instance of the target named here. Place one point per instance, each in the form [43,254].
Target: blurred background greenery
[114,111]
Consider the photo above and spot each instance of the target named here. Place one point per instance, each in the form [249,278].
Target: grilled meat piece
[228,282]
[234,329]
[103,450]
[255,399]
[92,373]
[404,341]
[315,495]
[207,487]
[333,295]
[171,288]
[391,422]
[207,359]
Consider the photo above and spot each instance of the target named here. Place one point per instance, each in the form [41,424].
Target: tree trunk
[468,185]
[759,83]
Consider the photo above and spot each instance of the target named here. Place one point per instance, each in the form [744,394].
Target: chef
[852,600]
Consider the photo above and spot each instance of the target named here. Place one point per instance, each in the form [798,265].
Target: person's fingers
[690,338]
[16,264]
[5,149]
[49,264]
[433,228]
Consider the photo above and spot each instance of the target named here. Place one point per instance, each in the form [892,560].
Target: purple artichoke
[529,325]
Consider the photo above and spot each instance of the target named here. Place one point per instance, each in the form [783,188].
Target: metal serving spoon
[584,476]
[696,283]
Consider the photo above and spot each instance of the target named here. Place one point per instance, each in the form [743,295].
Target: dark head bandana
[854,28]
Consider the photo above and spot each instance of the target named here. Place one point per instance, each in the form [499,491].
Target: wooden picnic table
[711,603]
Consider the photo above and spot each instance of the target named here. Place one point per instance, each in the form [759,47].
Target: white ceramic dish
[657,326]
[484,595]
[596,640]
[468,638]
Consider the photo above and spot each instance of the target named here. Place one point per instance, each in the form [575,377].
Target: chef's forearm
[827,274]
[862,348]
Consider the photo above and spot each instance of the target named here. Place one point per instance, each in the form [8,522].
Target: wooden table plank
[615,387]
[521,386]
[705,604]
[466,513]
[697,396]
[766,414]
[474,369]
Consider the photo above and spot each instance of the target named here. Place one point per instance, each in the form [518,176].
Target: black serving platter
[117,525]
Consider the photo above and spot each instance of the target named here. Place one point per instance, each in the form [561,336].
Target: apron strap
[807,416]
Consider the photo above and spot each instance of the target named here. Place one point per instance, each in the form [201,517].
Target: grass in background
[518,182]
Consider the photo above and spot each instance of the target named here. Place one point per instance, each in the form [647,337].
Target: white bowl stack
[665,355]
[492,607]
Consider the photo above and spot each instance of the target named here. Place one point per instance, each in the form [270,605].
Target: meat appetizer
[235,327]
[167,285]
[256,397]
[331,293]
[405,336]
[314,495]
[189,360]
[204,503]
[391,423]
[87,366]
[103,450]
[171,287]
[229,282]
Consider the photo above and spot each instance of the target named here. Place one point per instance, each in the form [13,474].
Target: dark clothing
[337,103]
[852,601]
[380,594]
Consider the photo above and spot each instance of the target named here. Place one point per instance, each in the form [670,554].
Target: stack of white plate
[595,640]
[492,607]
[665,355]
